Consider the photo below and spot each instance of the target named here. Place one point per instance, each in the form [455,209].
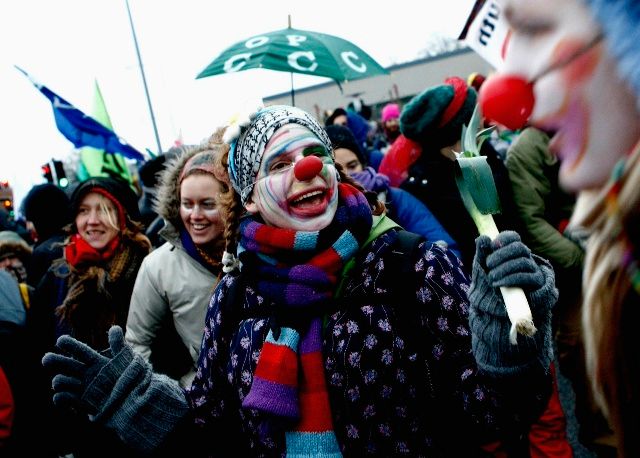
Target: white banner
[488,33]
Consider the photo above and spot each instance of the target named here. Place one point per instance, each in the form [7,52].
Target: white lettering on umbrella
[295,40]
[256,41]
[230,64]
[349,57]
[295,56]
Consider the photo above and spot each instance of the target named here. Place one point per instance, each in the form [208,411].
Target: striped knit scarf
[298,271]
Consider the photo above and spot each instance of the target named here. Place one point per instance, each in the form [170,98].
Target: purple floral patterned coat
[402,378]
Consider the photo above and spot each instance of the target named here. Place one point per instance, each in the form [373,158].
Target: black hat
[119,189]
[150,169]
[342,137]
[337,112]
[48,208]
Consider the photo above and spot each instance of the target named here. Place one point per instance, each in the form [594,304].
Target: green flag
[98,163]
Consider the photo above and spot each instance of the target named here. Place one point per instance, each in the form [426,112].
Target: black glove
[508,262]
[76,366]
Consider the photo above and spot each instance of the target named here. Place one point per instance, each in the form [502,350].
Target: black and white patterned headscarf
[247,150]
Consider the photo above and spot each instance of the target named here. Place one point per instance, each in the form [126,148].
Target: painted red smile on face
[305,200]
[310,202]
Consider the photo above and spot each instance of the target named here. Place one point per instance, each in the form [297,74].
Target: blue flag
[83,130]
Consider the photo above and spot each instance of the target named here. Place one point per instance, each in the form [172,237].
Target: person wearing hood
[360,129]
[176,280]
[89,288]
[15,255]
[46,208]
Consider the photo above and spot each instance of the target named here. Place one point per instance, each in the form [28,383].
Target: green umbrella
[297,51]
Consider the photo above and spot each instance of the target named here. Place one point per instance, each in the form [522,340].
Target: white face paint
[592,111]
[279,197]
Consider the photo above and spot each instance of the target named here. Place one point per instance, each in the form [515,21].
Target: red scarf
[79,251]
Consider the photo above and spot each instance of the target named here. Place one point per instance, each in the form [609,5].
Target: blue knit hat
[620,22]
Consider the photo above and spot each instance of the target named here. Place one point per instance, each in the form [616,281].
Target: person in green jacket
[543,210]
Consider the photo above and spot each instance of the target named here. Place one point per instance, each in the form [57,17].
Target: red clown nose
[307,168]
[507,100]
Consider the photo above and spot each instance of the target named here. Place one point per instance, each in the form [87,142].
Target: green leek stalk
[480,197]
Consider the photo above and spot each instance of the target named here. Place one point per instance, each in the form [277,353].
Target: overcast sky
[68,44]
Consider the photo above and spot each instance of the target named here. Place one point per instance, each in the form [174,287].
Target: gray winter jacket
[170,281]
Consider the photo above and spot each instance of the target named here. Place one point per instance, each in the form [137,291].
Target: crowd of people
[302,287]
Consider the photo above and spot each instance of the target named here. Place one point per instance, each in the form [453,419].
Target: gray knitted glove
[77,370]
[120,392]
[508,262]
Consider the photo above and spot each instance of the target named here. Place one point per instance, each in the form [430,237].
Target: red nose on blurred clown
[563,61]
[507,100]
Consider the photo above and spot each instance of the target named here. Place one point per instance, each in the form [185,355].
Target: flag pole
[144,79]
[293,98]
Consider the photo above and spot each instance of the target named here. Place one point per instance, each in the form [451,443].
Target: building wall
[405,81]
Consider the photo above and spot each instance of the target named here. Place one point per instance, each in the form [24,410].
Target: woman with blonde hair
[88,291]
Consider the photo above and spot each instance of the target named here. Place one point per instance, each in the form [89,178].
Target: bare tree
[439,44]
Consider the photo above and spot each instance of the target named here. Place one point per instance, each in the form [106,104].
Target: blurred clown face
[584,101]
[284,201]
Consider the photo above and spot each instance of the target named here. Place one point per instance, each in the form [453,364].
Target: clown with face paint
[315,343]
[579,59]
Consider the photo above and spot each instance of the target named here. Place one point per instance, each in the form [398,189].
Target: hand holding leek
[478,190]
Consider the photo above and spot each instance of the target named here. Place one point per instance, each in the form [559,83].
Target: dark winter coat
[432,180]
[42,257]
[412,357]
